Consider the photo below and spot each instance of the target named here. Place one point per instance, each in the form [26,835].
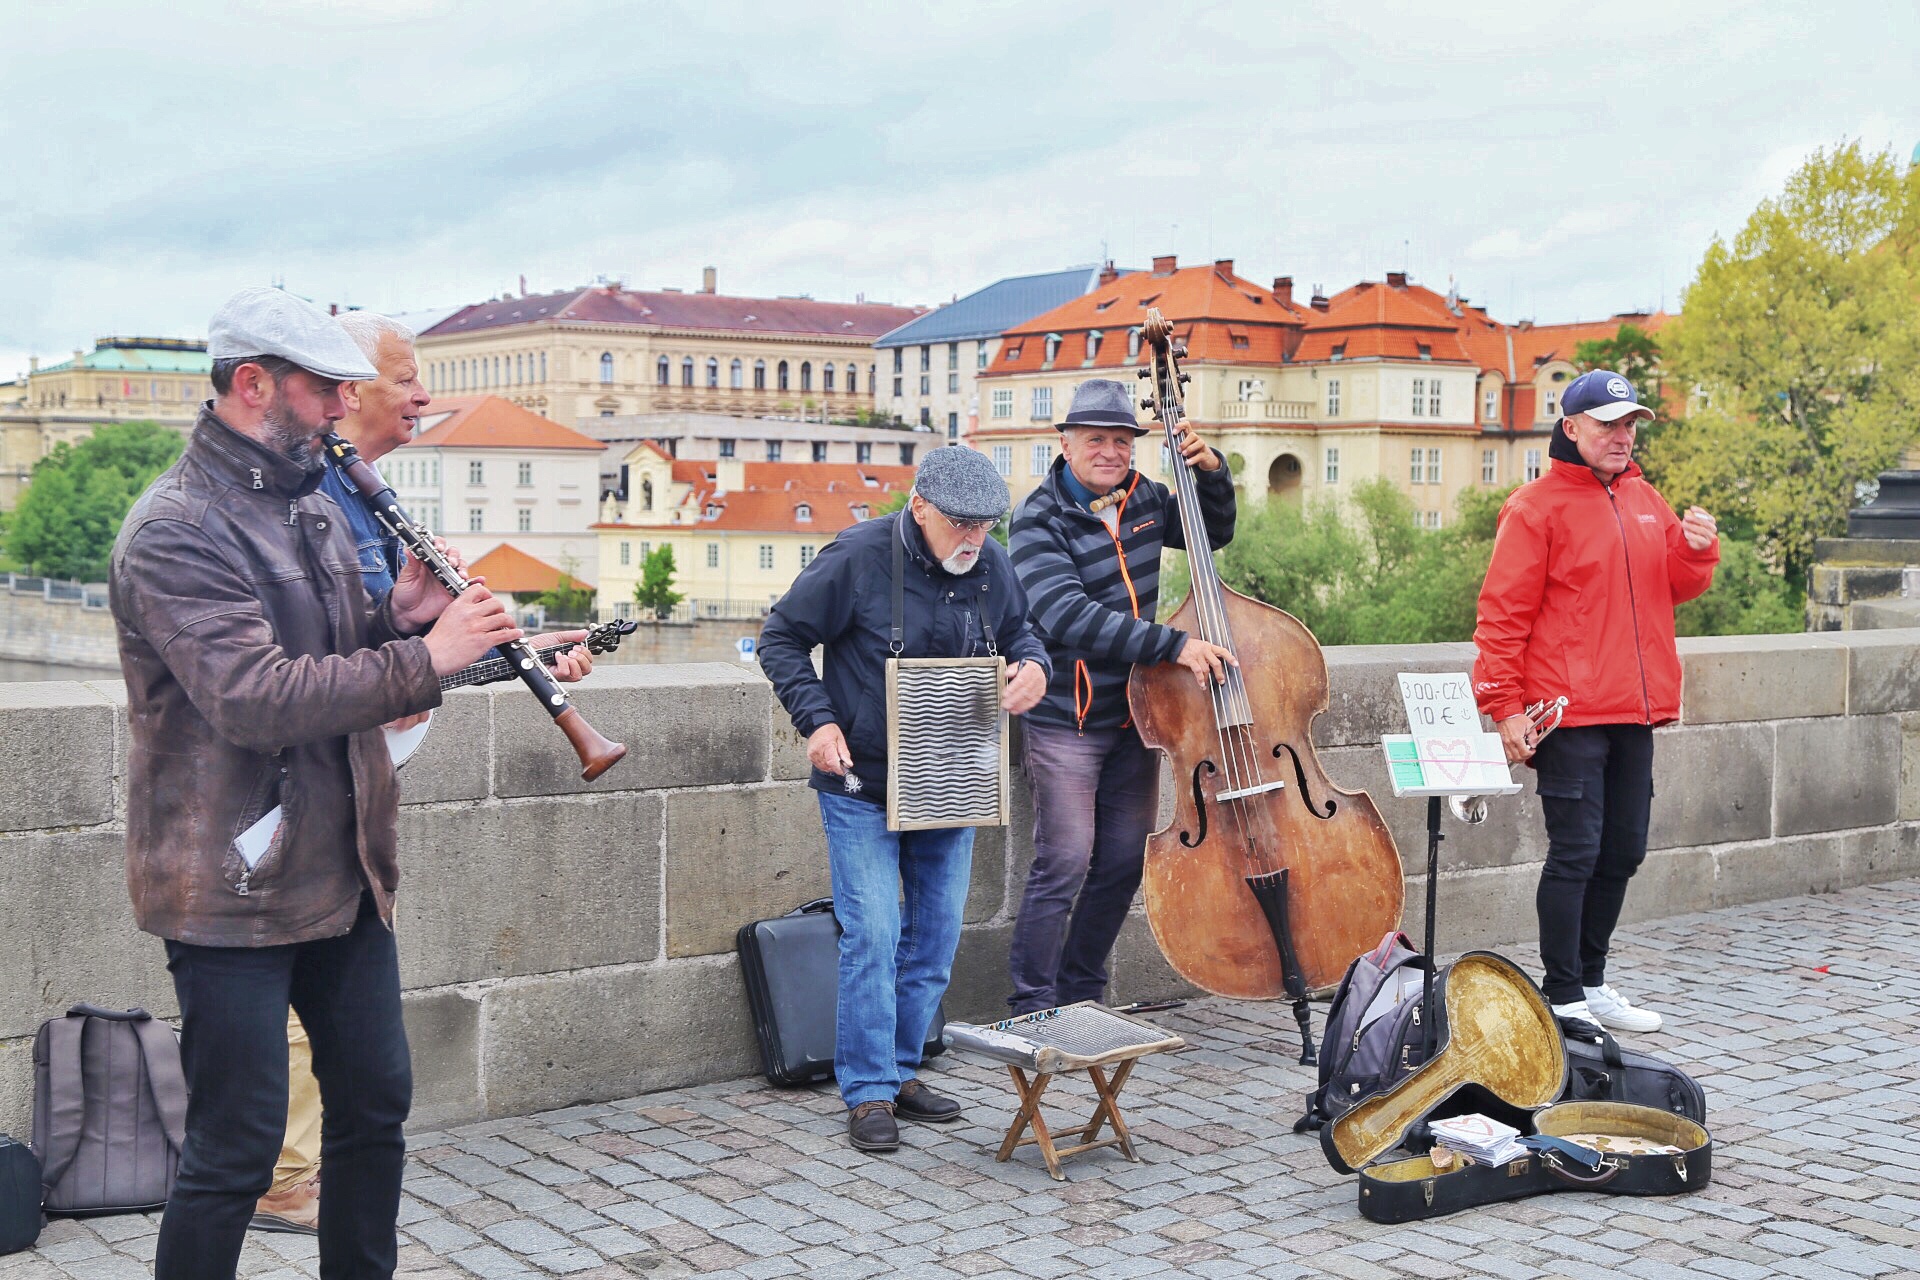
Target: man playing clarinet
[258,674]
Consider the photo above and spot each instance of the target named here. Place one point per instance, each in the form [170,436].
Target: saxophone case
[1501,1054]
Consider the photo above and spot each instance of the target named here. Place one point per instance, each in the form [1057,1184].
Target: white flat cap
[272,322]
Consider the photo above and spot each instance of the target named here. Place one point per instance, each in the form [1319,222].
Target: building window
[863,452]
[543,366]
[953,431]
[1043,404]
[953,355]
[686,371]
[897,390]
[953,383]
[806,375]
[826,378]
[926,416]
[1333,397]
[899,359]
[476,520]
[781,373]
[852,380]
[1550,403]
[606,368]
[1093,344]
[713,373]
[860,511]
[626,553]
[1040,459]
[803,513]
[766,555]
[759,375]
[926,384]
[926,359]
[1433,400]
[980,354]
[1417,473]
[1433,519]
[662,372]
[1003,402]
[1433,466]
[1133,344]
[1490,403]
[1489,466]
[524,519]
[476,473]
[1331,456]
[735,375]
[526,475]
[1053,347]
[1419,397]
[726,447]
[906,450]
[819,450]
[713,555]
[773,451]
[806,554]
[1003,459]
[1533,464]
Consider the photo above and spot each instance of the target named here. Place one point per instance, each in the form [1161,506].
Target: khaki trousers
[300,1153]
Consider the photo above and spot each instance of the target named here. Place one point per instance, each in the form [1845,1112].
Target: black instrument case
[1503,1056]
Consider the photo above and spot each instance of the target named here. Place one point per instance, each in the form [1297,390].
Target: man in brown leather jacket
[258,674]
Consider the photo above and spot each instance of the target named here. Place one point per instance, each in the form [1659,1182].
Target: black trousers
[1596,788]
[233,1012]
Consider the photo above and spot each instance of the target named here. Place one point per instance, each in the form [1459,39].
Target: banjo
[253,843]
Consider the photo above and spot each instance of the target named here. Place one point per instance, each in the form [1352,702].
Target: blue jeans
[1095,795]
[899,897]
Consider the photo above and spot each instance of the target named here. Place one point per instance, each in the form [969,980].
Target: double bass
[1269,880]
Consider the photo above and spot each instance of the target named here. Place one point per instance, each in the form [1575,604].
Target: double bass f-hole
[1300,772]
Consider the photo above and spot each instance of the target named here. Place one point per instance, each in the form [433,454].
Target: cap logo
[1618,388]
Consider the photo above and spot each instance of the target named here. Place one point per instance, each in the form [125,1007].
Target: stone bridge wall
[564,942]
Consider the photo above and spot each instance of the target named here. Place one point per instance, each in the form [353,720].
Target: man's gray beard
[954,563]
[291,439]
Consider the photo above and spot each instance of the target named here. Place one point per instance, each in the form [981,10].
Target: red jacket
[1564,611]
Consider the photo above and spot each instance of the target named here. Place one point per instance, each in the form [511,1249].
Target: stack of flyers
[1483,1139]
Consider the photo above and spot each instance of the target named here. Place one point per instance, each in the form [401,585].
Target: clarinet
[597,754]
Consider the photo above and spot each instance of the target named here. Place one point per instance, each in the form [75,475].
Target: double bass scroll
[1269,880]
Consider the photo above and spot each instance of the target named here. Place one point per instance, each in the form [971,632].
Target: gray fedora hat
[1102,402]
[962,483]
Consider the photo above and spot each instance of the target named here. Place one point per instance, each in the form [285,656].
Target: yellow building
[1383,379]
[160,380]
[740,531]
[608,351]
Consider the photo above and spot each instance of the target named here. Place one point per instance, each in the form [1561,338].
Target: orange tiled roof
[797,475]
[1393,320]
[1534,345]
[774,494]
[511,571]
[488,422]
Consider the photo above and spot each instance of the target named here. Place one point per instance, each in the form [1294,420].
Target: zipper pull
[240,886]
[292,514]
[1416,1015]
[258,483]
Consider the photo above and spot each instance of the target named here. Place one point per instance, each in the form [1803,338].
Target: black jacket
[1095,590]
[843,600]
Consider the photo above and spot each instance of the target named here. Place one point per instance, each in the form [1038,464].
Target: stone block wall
[563,941]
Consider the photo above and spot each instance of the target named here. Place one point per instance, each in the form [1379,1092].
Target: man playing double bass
[1086,545]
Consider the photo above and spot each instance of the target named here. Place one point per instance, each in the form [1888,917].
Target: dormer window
[713,511]
[1102,306]
[1133,344]
[1053,346]
[1093,344]
[1013,353]
[1426,352]
[803,512]
[860,511]
[1150,299]
[1340,351]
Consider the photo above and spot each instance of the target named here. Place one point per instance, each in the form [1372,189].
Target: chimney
[1283,289]
[523,285]
[33,364]
[1396,279]
[1164,266]
[709,280]
[1223,265]
[1319,300]
[1108,273]
[729,475]
[333,308]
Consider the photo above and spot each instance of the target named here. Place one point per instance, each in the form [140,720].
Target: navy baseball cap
[1604,394]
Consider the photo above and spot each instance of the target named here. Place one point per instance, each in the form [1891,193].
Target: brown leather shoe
[918,1102]
[870,1127]
[295,1210]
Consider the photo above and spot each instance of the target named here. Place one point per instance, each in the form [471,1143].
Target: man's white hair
[366,328]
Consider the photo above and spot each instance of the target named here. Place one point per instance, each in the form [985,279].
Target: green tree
[654,592]
[1802,337]
[570,600]
[66,521]
[1746,598]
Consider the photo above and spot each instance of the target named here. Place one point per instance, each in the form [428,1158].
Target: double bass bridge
[1247,793]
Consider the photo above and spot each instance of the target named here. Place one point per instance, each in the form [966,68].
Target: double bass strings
[1232,711]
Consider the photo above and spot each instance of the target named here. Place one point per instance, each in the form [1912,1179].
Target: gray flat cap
[961,482]
[1102,402]
[272,322]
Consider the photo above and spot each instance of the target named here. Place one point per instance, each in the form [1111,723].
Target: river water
[11,671]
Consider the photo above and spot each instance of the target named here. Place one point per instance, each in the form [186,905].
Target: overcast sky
[1559,161]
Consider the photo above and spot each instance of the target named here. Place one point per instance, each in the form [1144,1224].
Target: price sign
[1439,704]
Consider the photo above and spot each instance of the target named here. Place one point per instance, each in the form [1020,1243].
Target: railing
[88,595]
[690,610]
[1271,410]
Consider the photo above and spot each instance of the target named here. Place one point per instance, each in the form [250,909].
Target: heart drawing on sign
[1449,757]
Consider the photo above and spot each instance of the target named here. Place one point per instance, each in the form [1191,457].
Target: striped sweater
[1092,590]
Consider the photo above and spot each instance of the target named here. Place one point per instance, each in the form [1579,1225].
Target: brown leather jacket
[258,673]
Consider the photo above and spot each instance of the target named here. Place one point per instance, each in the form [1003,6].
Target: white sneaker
[1612,1010]
[1577,1011]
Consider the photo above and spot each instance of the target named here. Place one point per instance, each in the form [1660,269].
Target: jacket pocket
[259,834]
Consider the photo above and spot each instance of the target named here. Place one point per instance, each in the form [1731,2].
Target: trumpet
[1543,718]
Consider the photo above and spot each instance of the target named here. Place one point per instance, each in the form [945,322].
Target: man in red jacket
[1587,566]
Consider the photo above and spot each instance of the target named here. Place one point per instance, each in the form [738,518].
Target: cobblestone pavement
[1798,1016]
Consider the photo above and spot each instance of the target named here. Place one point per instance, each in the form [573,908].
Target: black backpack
[1376,1032]
[1599,1070]
[19,1196]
